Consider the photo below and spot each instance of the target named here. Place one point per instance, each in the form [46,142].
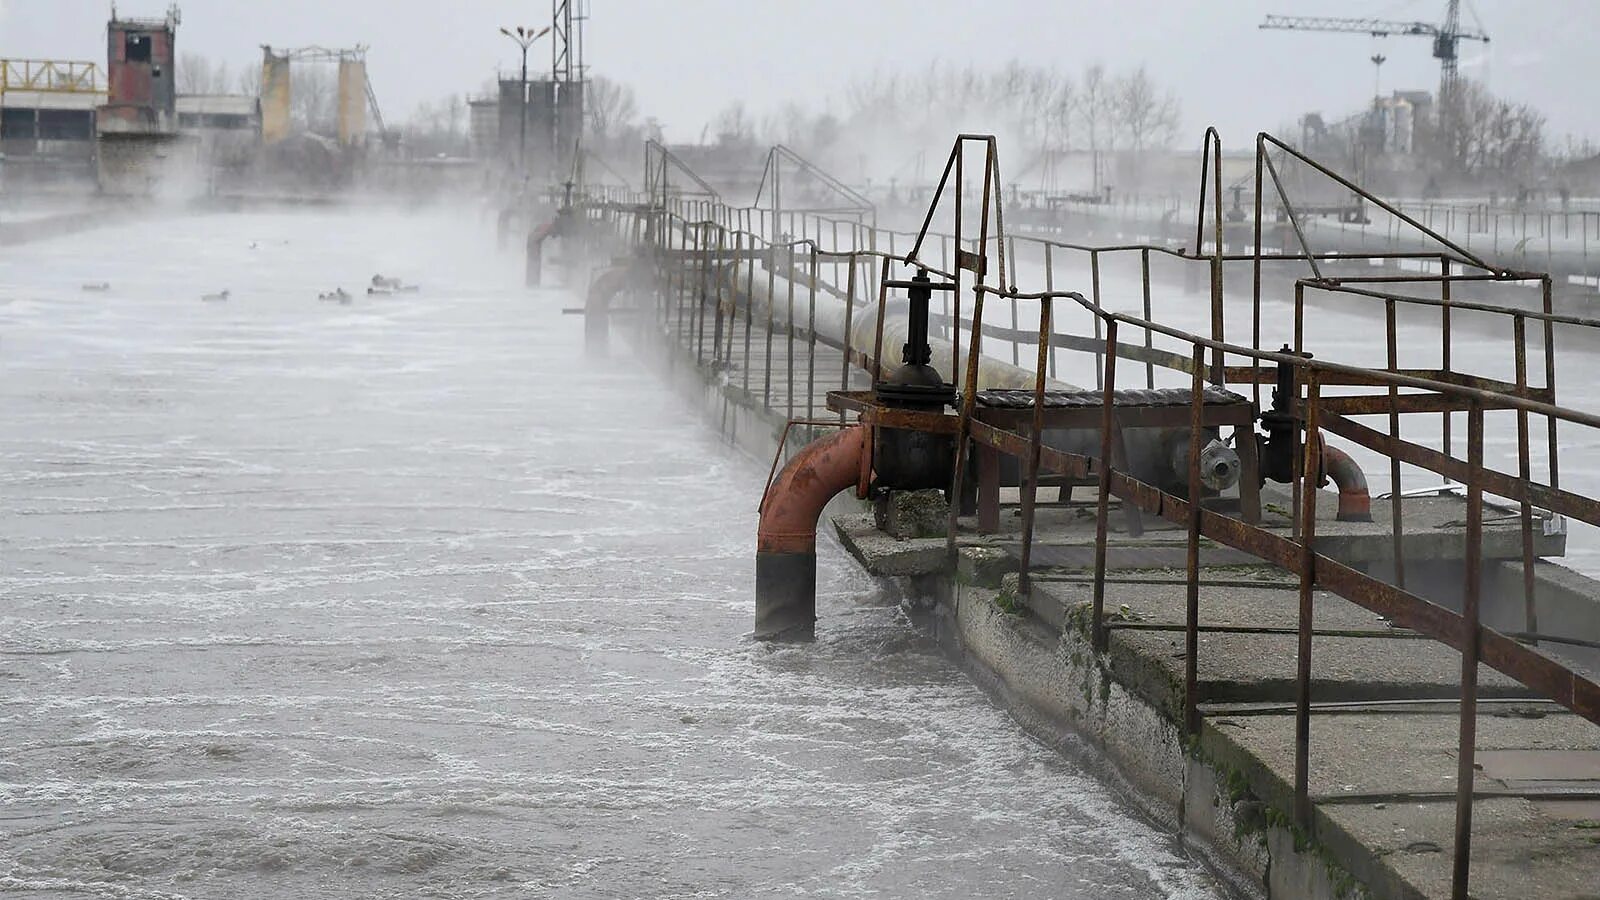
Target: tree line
[884,121]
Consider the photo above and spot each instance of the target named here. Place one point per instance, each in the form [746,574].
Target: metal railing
[706,251]
[50,76]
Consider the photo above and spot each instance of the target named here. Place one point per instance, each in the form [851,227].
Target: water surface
[403,598]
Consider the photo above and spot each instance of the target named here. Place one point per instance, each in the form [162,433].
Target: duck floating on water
[339,294]
[219,296]
[385,285]
[98,286]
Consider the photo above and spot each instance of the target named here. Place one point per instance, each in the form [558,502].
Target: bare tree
[1094,106]
[612,110]
[1039,113]
[314,97]
[434,128]
[733,126]
[248,81]
[1148,116]
[1490,137]
[199,74]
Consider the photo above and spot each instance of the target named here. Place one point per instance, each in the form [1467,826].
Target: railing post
[1144,277]
[877,336]
[1519,337]
[1308,578]
[1094,285]
[1030,495]
[969,401]
[772,290]
[749,304]
[1191,628]
[1396,514]
[1550,382]
[788,332]
[1445,344]
[1108,423]
[1471,643]
[1050,287]
[811,334]
[849,324]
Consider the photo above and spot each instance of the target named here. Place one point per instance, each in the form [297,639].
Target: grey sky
[689,58]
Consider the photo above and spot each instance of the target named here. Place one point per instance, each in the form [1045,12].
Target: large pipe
[1156,455]
[830,324]
[786,539]
[597,307]
[535,253]
[502,227]
[1355,503]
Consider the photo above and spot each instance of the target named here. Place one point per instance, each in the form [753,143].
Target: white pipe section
[770,291]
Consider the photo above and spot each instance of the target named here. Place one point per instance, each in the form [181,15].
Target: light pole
[524,38]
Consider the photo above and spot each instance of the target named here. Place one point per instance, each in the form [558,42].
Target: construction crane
[1447,38]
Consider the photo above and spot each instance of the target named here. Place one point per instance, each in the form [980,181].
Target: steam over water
[403,598]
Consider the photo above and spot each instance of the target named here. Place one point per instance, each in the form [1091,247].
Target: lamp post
[524,38]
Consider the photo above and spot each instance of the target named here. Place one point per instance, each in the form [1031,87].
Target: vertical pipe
[1308,577]
[1471,644]
[1108,424]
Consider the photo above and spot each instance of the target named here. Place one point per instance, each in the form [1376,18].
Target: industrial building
[75,125]
[47,116]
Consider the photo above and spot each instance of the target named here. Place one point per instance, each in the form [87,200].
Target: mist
[663,475]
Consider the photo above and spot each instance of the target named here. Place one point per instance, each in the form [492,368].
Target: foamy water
[404,598]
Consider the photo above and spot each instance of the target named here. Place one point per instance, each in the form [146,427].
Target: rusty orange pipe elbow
[535,254]
[597,307]
[786,539]
[1355,503]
